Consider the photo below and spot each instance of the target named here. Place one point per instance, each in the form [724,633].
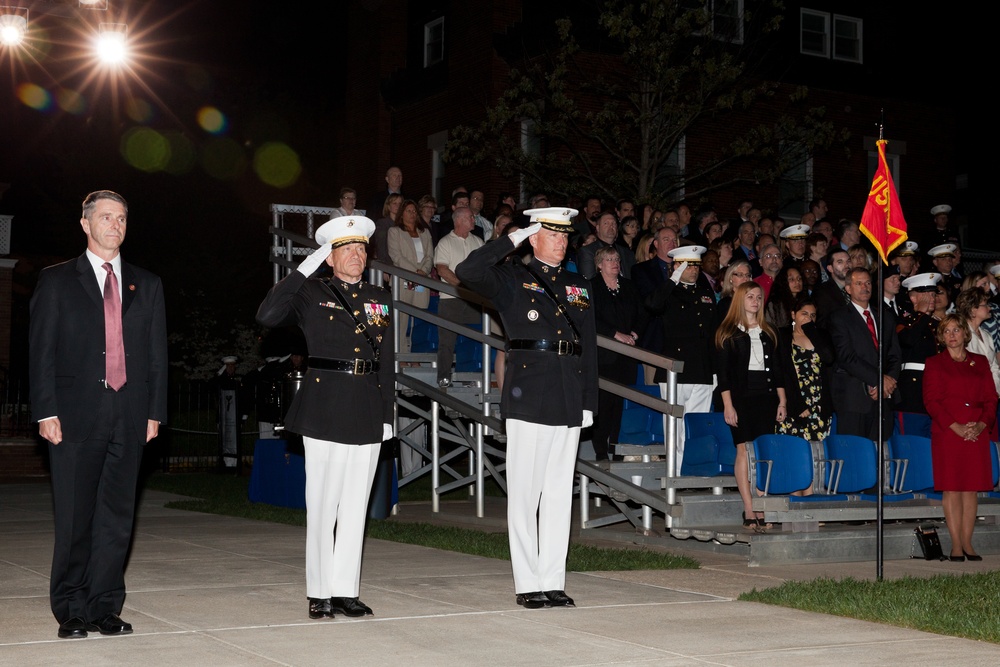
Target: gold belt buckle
[565,348]
[359,366]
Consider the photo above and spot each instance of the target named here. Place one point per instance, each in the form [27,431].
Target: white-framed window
[795,187]
[726,18]
[434,42]
[847,38]
[436,144]
[672,171]
[828,35]
[531,145]
[814,33]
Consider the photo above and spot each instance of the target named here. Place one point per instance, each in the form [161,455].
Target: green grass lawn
[958,605]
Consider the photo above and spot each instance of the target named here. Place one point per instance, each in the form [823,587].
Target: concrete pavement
[213,590]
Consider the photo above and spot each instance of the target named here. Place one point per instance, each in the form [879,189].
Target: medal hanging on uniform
[359,326]
[560,307]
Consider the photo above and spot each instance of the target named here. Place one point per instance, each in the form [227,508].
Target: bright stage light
[111,38]
[13,25]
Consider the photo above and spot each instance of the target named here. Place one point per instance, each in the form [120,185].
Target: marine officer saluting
[343,410]
[549,392]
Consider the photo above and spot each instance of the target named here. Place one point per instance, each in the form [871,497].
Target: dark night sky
[268,70]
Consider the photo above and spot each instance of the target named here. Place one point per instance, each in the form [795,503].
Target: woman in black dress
[751,383]
[620,314]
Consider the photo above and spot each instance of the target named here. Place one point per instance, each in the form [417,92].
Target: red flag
[882,221]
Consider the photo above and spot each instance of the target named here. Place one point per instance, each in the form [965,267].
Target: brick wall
[23,460]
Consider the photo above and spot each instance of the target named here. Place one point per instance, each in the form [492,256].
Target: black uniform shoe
[320,607]
[558,599]
[534,600]
[111,624]
[352,607]
[74,628]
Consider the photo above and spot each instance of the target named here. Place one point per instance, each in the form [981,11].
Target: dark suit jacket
[618,312]
[828,297]
[66,357]
[647,276]
[856,366]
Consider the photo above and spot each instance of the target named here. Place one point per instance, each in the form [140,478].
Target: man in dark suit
[647,276]
[830,295]
[856,383]
[98,367]
[347,327]
[549,392]
[394,185]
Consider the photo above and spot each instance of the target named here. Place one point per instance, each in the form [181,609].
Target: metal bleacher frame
[704,509]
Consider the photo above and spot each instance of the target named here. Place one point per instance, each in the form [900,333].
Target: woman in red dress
[962,402]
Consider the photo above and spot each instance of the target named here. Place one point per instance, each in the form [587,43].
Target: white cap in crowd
[943,250]
[941,208]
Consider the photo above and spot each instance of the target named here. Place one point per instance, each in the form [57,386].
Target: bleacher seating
[854,470]
[783,464]
[708,445]
[641,425]
[910,467]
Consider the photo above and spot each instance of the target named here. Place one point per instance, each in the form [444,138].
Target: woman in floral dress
[809,352]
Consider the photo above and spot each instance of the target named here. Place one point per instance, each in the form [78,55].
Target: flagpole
[880,477]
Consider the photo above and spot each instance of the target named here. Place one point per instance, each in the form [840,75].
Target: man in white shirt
[450,251]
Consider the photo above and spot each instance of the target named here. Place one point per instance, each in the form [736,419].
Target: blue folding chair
[854,468]
[783,464]
[910,466]
[708,445]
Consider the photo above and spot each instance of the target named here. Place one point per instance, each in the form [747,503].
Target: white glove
[676,275]
[518,235]
[313,261]
[588,418]
[386,432]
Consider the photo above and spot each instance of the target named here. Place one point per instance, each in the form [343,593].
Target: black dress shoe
[111,624]
[352,607]
[320,607]
[972,557]
[558,599]
[74,628]
[534,600]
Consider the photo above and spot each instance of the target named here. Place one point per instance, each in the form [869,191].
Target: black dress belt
[352,366]
[561,347]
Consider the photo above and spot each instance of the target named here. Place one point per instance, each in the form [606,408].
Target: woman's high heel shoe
[972,557]
[749,523]
[956,559]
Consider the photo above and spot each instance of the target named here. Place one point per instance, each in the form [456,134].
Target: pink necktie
[871,327]
[114,345]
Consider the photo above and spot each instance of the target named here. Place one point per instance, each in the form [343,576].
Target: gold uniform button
[357,312]
[357,349]
[317,379]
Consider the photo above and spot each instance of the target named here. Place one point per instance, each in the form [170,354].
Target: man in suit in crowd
[98,368]
[831,295]
[607,232]
[394,185]
[649,275]
[856,383]
[549,392]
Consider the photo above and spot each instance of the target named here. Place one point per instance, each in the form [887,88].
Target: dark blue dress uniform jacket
[332,405]
[539,387]
[690,318]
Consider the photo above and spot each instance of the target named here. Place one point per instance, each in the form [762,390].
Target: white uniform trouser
[541,464]
[338,483]
[694,398]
